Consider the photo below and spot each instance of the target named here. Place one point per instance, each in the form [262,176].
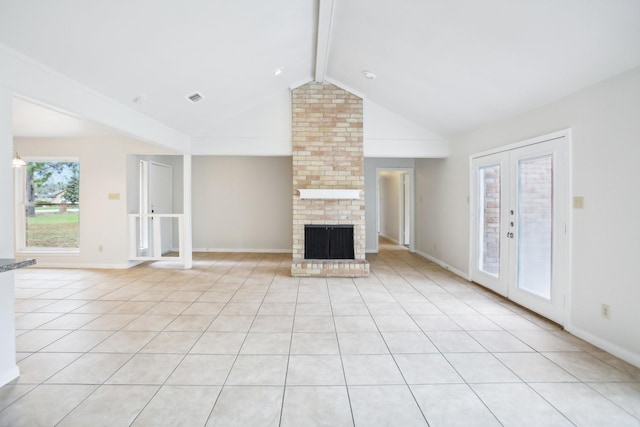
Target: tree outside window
[53,204]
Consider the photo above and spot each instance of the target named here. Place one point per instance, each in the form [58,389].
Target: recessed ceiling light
[368,75]
[140,99]
[195,97]
[278,71]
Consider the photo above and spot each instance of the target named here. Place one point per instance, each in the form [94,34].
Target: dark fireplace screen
[328,242]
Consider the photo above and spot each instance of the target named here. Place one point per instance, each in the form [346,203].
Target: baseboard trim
[444,265]
[616,350]
[240,250]
[123,266]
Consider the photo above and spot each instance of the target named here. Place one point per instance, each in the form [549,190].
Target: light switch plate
[114,196]
[578,202]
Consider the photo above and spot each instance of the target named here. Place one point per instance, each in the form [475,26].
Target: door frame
[566,273]
[412,201]
[150,183]
[405,210]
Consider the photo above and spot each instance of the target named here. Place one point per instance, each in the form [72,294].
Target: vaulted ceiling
[447,65]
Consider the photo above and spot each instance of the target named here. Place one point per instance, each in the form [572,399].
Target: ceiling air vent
[195,97]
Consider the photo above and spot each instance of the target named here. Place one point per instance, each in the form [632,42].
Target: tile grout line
[286,374]
[224,383]
[406,384]
[443,356]
[389,260]
[344,372]
[98,386]
[522,381]
[474,391]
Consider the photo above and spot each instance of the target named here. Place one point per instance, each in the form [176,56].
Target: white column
[188,238]
[8,368]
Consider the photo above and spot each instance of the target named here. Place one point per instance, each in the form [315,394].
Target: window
[48,205]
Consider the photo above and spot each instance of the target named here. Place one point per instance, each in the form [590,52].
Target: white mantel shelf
[329,193]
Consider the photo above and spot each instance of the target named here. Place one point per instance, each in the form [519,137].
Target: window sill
[48,251]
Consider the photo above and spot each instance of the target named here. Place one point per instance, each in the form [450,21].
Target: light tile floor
[235,341]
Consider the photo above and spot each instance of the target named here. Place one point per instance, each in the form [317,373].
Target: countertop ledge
[8,264]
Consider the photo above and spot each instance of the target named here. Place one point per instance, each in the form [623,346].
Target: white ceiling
[447,65]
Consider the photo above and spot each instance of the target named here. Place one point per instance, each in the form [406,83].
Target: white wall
[388,135]
[8,368]
[605,235]
[389,191]
[262,130]
[442,210]
[371,165]
[103,170]
[265,130]
[242,204]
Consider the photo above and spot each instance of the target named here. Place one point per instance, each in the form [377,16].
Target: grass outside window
[55,230]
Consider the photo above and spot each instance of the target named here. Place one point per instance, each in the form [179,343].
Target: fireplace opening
[328,242]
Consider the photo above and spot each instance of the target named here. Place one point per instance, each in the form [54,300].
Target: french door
[519,204]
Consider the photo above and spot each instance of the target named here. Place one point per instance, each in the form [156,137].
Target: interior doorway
[160,209]
[395,203]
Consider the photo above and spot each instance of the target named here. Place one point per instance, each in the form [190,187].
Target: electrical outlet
[605,310]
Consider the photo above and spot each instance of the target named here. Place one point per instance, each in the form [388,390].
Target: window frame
[20,205]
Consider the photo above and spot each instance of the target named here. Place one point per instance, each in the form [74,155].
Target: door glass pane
[535,207]
[489,220]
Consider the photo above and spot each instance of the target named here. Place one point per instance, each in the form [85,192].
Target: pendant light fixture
[17,160]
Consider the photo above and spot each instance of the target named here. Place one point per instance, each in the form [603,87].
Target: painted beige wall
[390,204]
[103,170]
[605,235]
[259,186]
[242,204]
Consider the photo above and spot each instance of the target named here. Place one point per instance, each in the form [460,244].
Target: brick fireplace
[328,163]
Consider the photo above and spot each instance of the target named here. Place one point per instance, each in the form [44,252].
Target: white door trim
[168,244]
[412,180]
[405,209]
[531,141]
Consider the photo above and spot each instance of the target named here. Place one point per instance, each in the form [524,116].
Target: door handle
[510,235]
